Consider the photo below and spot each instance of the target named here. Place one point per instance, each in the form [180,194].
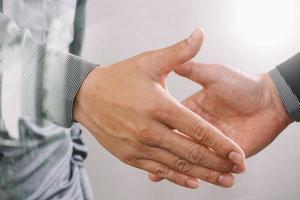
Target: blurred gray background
[252,35]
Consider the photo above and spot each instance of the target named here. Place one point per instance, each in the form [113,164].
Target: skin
[128,109]
[246,108]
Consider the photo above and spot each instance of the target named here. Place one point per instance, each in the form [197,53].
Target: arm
[21,55]
[126,106]
[251,109]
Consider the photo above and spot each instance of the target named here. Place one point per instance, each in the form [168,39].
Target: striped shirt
[41,152]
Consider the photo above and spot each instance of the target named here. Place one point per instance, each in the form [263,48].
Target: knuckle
[175,50]
[173,176]
[200,132]
[128,159]
[147,136]
[161,171]
[196,155]
[224,165]
[143,150]
[179,51]
[208,175]
[183,165]
[144,133]
[155,109]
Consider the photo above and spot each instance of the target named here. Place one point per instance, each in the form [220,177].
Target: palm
[242,107]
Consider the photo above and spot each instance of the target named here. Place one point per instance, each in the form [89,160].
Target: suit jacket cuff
[289,99]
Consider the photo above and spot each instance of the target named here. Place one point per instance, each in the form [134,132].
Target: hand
[127,108]
[246,108]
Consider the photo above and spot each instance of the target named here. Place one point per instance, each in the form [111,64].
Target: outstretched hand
[128,109]
[246,108]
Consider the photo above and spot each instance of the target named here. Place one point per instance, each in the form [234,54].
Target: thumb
[201,73]
[167,58]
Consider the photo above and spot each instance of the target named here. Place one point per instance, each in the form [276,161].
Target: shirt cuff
[40,82]
[288,98]
[63,76]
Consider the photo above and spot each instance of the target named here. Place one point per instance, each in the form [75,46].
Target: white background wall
[250,35]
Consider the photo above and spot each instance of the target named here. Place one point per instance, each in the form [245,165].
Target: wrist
[283,117]
[79,106]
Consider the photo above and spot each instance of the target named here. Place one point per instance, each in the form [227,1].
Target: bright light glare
[266,22]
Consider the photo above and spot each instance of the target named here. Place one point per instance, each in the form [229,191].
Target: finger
[167,173]
[189,150]
[201,73]
[154,177]
[192,125]
[239,168]
[167,58]
[185,167]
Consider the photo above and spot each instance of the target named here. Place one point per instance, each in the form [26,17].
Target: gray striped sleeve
[288,98]
[46,79]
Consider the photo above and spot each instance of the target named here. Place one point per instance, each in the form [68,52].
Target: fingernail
[235,157]
[192,183]
[193,35]
[239,168]
[236,169]
[226,180]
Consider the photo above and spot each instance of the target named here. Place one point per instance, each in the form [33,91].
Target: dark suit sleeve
[286,77]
